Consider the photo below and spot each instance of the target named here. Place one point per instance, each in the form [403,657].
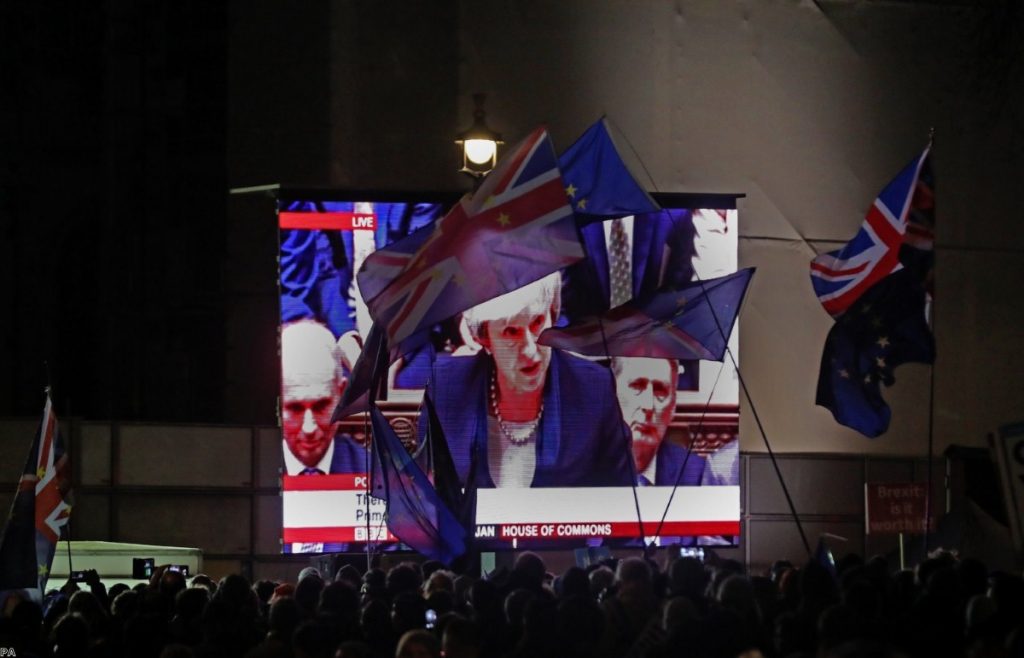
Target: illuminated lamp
[479,143]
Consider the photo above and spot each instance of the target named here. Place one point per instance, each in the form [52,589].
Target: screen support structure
[753,409]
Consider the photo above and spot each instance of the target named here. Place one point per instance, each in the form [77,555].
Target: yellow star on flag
[880,361]
[844,373]
[40,472]
[571,190]
[581,205]
[882,342]
[504,219]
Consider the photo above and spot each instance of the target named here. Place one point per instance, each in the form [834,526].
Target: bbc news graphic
[553,441]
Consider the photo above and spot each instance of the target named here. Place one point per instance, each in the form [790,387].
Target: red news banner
[328,221]
[329,508]
[617,529]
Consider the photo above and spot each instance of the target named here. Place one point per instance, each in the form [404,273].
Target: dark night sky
[112,205]
[127,267]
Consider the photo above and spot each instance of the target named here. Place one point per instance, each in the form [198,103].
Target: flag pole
[67,541]
[368,433]
[689,450]
[746,392]
[931,396]
[757,420]
[626,437]
[931,458]
[48,393]
[366,501]
[771,454]
[375,377]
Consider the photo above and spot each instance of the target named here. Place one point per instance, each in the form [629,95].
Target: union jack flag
[40,510]
[841,277]
[517,228]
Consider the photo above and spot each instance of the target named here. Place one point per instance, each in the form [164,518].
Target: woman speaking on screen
[534,416]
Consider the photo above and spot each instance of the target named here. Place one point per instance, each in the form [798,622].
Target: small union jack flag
[841,277]
[517,228]
[40,510]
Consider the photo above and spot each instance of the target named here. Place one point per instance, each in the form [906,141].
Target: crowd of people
[631,607]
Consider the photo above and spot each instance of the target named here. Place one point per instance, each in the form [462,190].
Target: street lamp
[479,143]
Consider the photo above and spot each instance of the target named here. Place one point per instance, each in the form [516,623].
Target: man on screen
[646,390]
[312,383]
[531,415]
[627,258]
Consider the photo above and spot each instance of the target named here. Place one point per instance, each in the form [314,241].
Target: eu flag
[446,478]
[598,183]
[884,328]
[686,322]
[368,379]
[415,513]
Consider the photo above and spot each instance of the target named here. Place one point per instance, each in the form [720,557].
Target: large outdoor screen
[564,449]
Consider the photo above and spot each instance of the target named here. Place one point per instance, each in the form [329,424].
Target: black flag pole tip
[48,389]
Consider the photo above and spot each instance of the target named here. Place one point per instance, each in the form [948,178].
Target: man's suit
[670,458]
[581,439]
[661,254]
[349,456]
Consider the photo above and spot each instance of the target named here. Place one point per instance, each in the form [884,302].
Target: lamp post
[479,144]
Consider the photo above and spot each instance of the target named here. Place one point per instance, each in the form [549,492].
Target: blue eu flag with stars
[884,328]
[415,512]
[597,181]
[687,322]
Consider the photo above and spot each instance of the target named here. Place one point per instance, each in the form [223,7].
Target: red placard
[893,508]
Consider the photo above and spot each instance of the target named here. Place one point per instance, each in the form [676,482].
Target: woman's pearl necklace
[517,436]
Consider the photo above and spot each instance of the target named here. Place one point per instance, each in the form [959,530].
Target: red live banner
[328,221]
[896,507]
